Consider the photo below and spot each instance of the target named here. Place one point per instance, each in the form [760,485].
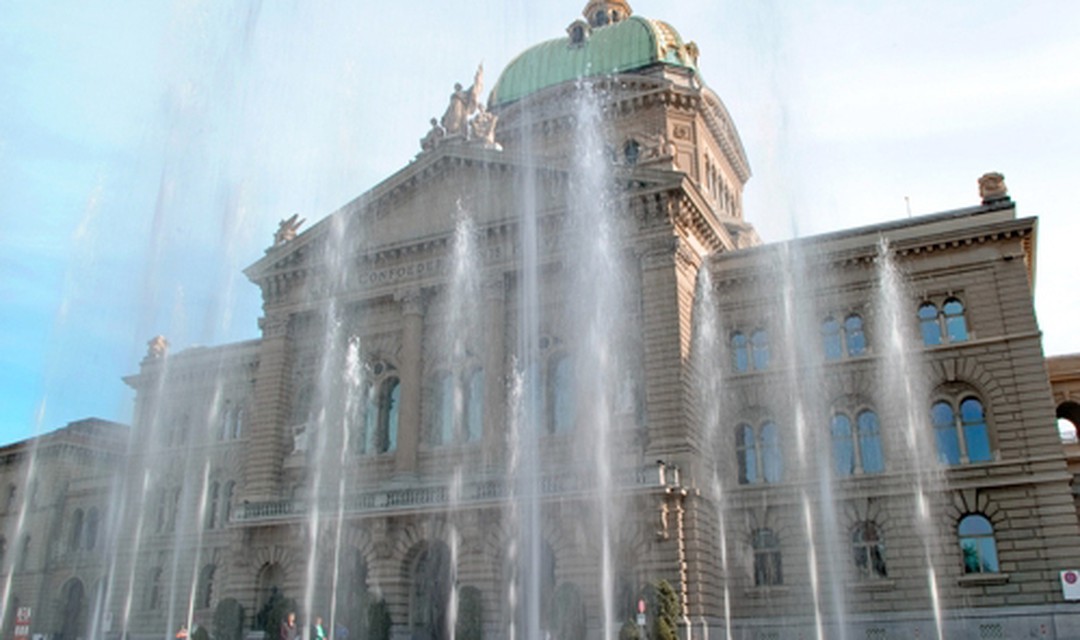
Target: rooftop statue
[463,103]
[465,120]
[992,187]
[287,229]
[157,347]
[482,128]
[433,137]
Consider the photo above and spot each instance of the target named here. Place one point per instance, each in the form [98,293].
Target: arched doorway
[72,610]
[430,593]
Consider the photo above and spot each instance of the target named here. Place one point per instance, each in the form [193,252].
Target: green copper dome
[626,45]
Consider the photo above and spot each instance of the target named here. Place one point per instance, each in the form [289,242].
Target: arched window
[206,586]
[212,506]
[772,463]
[302,405]
[386,440]
[977,544]
[238,422]
[973,428]
[955,324]
[943,418]
[225,426]
[857,446]
[962,436]
[768,561]
[868,550]
[562,398]
[947,324]
[843,446]
[153,589]
[442,425]
[24,553]
[76,530]
[740,351]
[854,336]
[577,34]
[746,448]
[759,456]
[759,347]
[363,418]
[928,324]
[869,442]
[227,501]
[474,406]
[847,340]
[830,336]
[162,507]
[91,528]
[175,509]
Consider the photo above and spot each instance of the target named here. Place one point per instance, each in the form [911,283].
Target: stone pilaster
[495,395]
[412,336]
[263,462]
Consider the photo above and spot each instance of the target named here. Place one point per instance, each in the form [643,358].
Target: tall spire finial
[604,12]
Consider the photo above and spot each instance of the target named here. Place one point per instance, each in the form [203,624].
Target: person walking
[289,631]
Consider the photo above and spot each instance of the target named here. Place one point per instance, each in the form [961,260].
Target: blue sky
[149,147]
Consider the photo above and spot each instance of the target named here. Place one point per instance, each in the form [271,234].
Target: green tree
[379,623]
[665,622]
[273,613]
[630,631]
[229,620]
[470,615]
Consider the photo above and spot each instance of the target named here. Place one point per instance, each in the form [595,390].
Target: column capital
[412,301]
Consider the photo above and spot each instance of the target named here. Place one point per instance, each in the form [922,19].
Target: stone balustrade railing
[473,492]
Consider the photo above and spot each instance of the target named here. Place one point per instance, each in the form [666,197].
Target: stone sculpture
[992,187]
[463,103]
[157,348]
[433,137]
[465,121]
[287,229]
[483,128]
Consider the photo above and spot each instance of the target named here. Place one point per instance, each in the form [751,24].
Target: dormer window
[601,19]
[578,32]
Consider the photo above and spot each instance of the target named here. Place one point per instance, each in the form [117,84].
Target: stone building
[54,547]
[550,363]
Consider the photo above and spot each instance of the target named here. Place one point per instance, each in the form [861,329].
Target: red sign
[641,605]
[22,623]
[1070,577]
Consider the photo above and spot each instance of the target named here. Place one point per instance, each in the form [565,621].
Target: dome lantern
[600,13]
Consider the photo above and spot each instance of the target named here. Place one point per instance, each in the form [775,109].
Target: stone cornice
[860,247]
[229,361]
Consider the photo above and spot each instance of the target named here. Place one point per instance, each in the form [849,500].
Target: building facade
[549,363]
[54,546]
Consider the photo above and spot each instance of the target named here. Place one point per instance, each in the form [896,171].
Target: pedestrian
[288,627]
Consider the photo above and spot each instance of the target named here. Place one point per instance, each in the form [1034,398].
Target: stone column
[270,405]
[495,380]
[412,337]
